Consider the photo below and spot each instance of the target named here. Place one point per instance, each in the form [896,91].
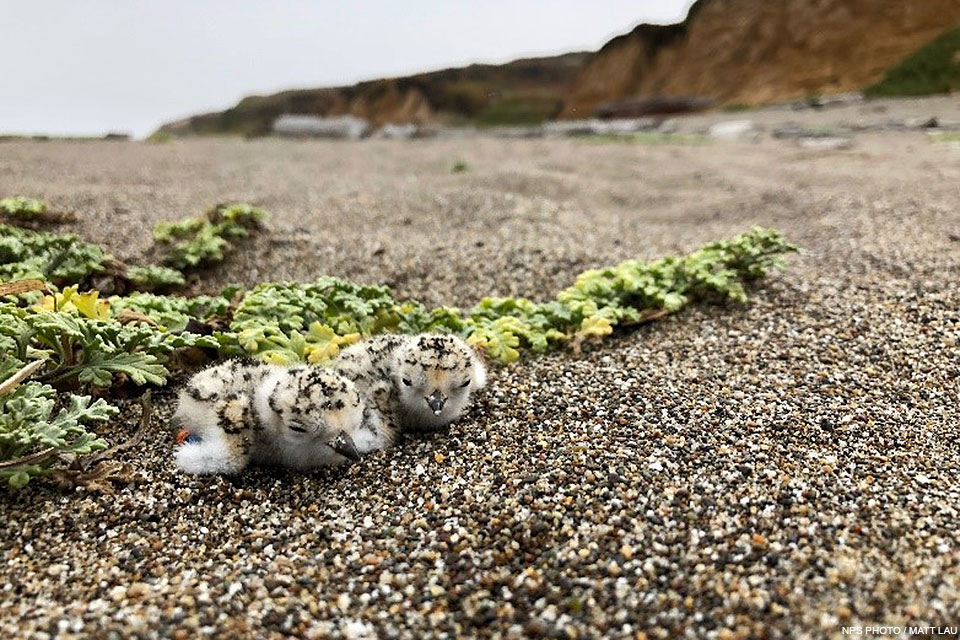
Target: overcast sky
[92,66]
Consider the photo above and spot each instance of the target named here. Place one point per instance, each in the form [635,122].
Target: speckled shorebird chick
[420,382]
[298,417]
[199,400]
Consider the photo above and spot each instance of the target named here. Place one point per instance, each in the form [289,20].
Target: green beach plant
[290,322]
[197,242]
[153,277]
[57,258]
[35,433]
[22,208]
[76,342]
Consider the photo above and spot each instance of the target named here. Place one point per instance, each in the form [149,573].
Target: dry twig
[11,383]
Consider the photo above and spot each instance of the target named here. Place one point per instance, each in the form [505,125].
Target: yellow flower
[90,306]
[86,304]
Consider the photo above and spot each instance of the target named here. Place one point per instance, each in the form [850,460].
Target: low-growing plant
[88,351]
[288,322]
[83,346]
[34,433]
[171,313]
[70,341]
[191,243]
[243,215]
[88,305]
[172,231]
[30,212]
[57,258]
[22,208]
[196,242]
[153,277]
[77,341]
[460,166]
[64,259]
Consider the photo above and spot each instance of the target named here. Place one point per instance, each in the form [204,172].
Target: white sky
[92,66]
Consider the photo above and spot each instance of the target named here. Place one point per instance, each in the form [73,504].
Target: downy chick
[299,417]
[308,417]
[435,376]
[422,382]
[199,399]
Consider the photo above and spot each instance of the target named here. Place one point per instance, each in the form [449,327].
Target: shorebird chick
[198,400]
[423,382]
[243,413]
[436,375]
[308,417]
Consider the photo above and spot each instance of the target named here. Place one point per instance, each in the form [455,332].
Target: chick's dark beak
[345,446]
[436,402]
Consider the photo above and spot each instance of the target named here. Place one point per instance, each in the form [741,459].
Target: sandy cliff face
[757,51]
[532,89]
[389,103]
[733,51]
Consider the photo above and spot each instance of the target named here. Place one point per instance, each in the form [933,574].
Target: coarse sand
[777,470]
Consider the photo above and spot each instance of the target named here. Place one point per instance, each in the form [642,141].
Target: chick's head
[435,376]
[318,404]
